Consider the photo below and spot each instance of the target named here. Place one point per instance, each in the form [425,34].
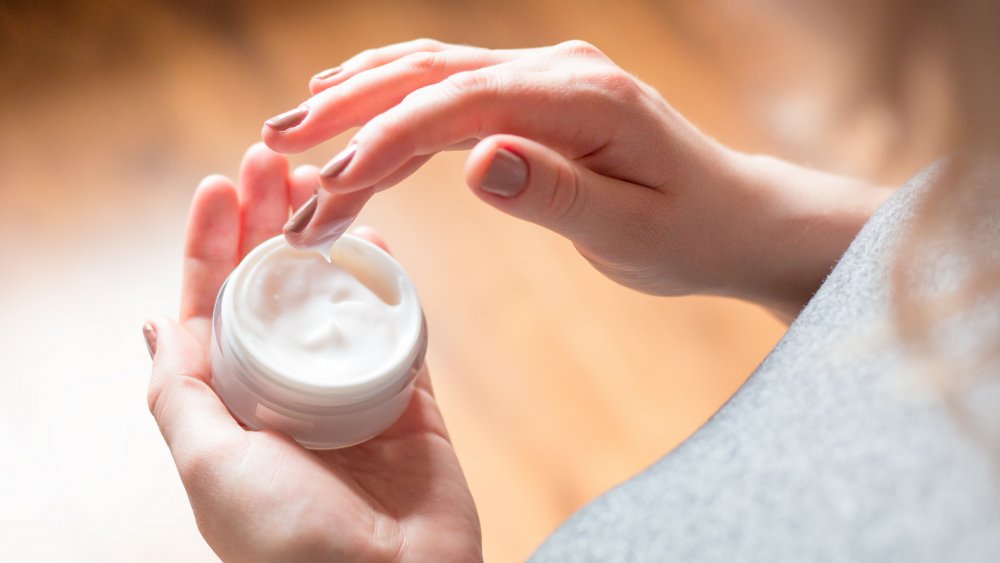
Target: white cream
[321,347]
[323,321]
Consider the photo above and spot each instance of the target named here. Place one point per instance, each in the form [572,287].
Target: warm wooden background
[556,384]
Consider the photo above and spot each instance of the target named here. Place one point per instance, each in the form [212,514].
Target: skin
[644,196]
[259,496]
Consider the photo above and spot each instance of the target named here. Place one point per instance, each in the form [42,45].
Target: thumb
[191,417]
[533,182]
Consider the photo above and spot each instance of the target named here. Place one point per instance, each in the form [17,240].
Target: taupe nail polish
[328,73]
[338,163]
[507,174]
[288,119]
[301,218]
[149,335]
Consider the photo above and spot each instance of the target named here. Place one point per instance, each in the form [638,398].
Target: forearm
[796,224]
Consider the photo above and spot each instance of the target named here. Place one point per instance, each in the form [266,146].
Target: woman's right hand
[566,139]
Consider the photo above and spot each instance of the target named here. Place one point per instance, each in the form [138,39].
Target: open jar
[325,351]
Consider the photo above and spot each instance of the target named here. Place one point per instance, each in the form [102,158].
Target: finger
[471,105]
[403,172]
[302,184]
[375,58]
[193,420]
[533,182]
[321,222]
[263,196]
[372,58]
[365,95]
[211,249]
[372,236]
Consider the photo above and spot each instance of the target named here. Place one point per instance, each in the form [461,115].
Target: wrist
[794,224]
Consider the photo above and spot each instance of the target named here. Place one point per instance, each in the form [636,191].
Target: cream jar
[325,351]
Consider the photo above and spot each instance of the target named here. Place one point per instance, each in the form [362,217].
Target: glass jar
[267,384]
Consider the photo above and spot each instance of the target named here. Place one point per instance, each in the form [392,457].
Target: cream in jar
[323,350]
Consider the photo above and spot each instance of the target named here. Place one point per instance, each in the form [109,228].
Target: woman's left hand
[258,495]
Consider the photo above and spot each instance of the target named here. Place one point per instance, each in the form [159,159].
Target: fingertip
[263,175]
[325,79]
[149,336]
[479,160]
[260,157]
[159,321]
[284,142]
[213,220]
[214,192]
[214,182]
[257,150]
[154,321]
[156,331]
[372,236]
[295,239]
[271,138]
[330,217]
[482,157]
[317,85]
[305,174]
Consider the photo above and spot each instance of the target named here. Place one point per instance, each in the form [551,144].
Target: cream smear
[325,319]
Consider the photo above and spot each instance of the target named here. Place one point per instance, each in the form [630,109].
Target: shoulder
[834,449]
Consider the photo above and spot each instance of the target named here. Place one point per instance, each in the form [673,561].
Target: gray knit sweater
[837,448]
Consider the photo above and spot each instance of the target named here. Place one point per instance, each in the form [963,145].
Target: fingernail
[338,163]
[149,334]
[301,218]
[507,174]
[288,119]
[328,73]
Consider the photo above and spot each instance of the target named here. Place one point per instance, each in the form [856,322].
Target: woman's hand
[566,139]
[259,496]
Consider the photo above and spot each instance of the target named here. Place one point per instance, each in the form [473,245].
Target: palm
[259,495]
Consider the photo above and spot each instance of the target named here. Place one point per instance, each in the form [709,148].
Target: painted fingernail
[338,163]
[328,73]
[288,119]
[149,335]
[507,174]
[301,218]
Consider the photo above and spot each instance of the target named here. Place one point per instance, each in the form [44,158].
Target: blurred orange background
[556,384]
